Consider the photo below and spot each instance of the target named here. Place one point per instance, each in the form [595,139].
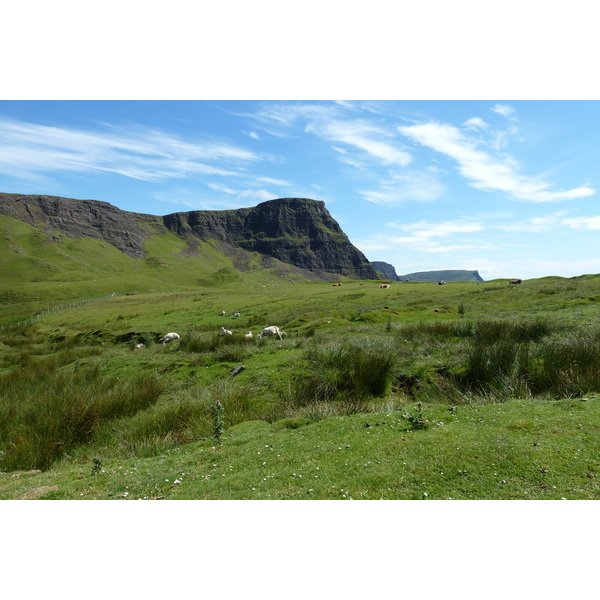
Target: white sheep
[225,331]
[140,346]
[236,315]
[272,330]
[223,313]
[249,335]
[170,337]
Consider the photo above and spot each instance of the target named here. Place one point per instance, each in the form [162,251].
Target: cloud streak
[143,154]
[484,170]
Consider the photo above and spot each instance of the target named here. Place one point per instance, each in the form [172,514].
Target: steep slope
[296,231]
[385,269]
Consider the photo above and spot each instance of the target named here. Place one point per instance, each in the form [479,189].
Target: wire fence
[38,316]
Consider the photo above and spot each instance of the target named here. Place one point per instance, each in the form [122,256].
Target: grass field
[462,391]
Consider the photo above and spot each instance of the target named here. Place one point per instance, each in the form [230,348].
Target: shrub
[46,417]
[346,372]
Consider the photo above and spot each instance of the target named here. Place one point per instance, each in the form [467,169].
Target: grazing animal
[442,282]
[336,284]
[225,331]
[272,330]
[236,315]
[515,281]
[249,335]
[140,346]
[384,286]
[223,313]
[170,337]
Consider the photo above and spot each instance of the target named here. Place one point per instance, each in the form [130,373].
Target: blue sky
[506,187]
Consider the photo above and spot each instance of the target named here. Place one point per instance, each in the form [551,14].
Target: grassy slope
[38,271]
[510,451]
[495,442]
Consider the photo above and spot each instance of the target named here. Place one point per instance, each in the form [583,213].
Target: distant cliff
[297,231]
[385,269]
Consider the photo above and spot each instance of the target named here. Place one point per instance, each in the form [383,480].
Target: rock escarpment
[385,269]
[297,231]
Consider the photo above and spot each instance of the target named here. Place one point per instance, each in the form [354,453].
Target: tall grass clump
[346,371]
[46,417]
[524,360]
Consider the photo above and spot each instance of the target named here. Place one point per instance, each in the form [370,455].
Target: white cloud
[423,236]
[220,187]
[583,223]
[362,135]
[483,170]
[406,187]
[274,181]
[475,123]
[143,154]
[504,110]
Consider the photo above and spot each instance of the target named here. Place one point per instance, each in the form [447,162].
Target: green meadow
[420,391]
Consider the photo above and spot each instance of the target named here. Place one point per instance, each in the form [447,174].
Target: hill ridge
[297,231]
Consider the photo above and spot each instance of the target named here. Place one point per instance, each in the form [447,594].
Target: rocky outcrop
[81,218]
[296,231]
[385,269]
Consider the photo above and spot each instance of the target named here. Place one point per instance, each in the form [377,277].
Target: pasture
[463,391]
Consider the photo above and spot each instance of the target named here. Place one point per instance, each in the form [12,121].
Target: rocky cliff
[297,231]
[385,269]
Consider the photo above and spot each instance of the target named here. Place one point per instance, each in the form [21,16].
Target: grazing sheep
[223,313]
[249,335]
[170,337]
[236,315]
[272,330]
[140,345]
[384,286]
[441,282]
[225,331]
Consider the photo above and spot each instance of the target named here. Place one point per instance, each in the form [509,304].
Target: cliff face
[385,269]
[297,231]
[81,218]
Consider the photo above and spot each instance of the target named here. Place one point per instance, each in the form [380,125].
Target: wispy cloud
[475,123]
[144,154]
[335,123]
[362,135]
[424,236]
[485,170]
[505,110]
[406,187]
[273,181]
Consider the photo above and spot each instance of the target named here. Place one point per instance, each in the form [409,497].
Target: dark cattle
[515,281]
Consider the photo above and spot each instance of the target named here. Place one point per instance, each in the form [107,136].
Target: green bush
[347,371]
[46,417]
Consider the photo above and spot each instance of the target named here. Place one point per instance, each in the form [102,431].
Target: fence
[56,309]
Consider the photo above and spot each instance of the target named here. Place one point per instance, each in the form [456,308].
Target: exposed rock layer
[297,231]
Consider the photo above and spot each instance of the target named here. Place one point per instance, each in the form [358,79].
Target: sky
[509,188]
